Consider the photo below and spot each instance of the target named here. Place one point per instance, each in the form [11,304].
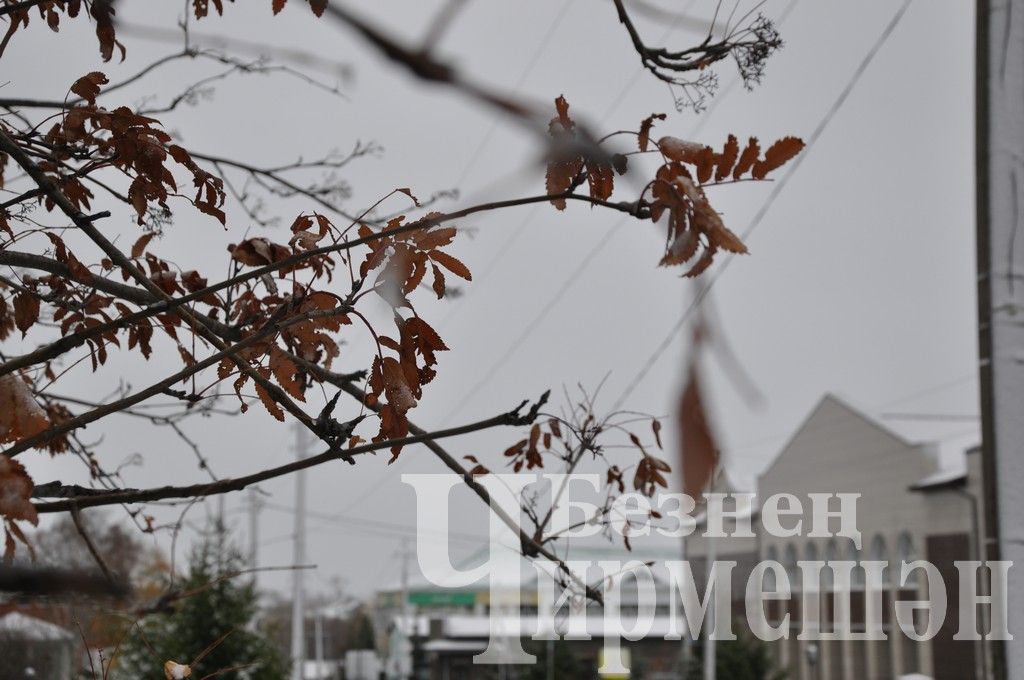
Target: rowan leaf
[601,180]
[438,284]
[396,389]
[102,12]
[697,448]
[408,192]
[140,245]
[727,159]
[20,415]
[257,252]
[702,264]
[777,155]
[452,264]
[680,150]
[644,138]
[562,108]
[747,158]
[560,177]
[88,86]
[268,401]
[565,164]
[26,311]
[434,238]
[286,373]
[16,492]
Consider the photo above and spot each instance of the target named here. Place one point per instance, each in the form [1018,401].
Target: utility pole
[1000,179]
[254,543]
[299,560]
[709,640]
[255,505]
[318,642]
[404,553]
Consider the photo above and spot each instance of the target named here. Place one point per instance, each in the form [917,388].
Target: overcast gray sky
[860,279]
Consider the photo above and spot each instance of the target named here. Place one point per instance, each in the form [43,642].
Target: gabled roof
[833,399]
[948,455]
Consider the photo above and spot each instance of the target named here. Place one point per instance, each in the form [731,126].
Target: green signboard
[442,598]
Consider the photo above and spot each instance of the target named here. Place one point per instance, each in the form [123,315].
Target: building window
[770,582]
[789,562]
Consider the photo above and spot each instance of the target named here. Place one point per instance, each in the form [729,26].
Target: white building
[912,505]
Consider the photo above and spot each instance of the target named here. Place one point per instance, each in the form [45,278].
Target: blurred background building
[918,500]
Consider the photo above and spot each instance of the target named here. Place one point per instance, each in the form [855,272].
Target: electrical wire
[769,201]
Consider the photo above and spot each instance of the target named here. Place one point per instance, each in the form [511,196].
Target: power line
[482,144]
[527,70]
[761,441]
[517,233]
[770,200]
[553,301]
[530,327]
[375,525]
[589,258]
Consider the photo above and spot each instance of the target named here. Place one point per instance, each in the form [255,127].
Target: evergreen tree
[566,665]
[745,658]
[361,635]
[216,617]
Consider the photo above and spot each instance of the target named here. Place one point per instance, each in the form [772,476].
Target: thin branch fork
[158,306]
[529,543]
[121,260]
[19,6]
[509,418]
[159,387]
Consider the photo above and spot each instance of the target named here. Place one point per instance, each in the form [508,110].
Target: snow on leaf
[20,415]
[395,386]
[680,150]
[176,671]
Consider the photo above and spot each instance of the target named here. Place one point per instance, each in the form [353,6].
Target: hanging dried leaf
[644,138]
[560,177]
[16,492]
[273,408]
[26,311]
[88,86]
[140,245]
[698,451]
[397,390]
[257,252]
[601,180]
